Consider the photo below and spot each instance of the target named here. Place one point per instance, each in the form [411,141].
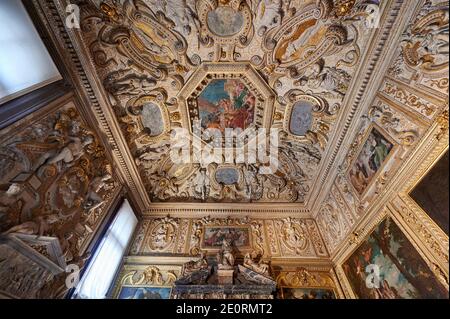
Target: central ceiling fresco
[227,64]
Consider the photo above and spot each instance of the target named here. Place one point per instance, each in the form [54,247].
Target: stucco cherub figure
[11,204]
[93,198]
[68,154]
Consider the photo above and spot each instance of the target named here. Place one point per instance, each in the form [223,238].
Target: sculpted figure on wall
[225,257]
[11,205]
[329,79]
[253,261]
[94,198]
[54,187]
[121,82]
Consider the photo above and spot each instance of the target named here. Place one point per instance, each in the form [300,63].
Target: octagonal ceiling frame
[256,83]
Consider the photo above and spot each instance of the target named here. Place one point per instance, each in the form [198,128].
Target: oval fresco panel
[301,118]
[152,119]
[227,176]
[298,43]
[224,21]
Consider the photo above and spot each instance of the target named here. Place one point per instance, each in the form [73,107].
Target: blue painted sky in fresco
[215,91]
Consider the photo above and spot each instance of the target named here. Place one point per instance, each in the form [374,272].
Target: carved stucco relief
[56,182]
[403,110]
[288,237]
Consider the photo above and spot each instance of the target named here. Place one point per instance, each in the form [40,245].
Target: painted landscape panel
[396,270]
[308,293]
[144,293]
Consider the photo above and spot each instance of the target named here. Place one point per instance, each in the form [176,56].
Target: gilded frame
[387,137]
[241,248]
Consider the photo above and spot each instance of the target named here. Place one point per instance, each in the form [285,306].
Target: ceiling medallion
[225,22]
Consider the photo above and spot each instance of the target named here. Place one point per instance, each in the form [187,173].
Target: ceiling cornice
[222,210]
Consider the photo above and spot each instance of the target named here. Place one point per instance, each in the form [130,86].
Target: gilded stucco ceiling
[261,63]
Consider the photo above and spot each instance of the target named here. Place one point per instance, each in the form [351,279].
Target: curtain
[106,260]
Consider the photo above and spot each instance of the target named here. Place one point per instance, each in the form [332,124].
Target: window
[106,260]
[25,64]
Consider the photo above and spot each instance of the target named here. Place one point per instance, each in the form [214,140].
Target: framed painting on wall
[213,236]
[373,154]
[144,292]
[307,293]
[396,271]
[428,194]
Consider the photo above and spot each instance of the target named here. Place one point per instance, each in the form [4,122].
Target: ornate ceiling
[229,64]
[359,106]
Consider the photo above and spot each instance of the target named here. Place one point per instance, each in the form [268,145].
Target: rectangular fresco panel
[429,196]
[226,103]
[307,293]
[214,235]
[133,292]
[369,161]
[403,274]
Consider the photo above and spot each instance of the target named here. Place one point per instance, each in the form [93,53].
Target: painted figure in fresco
[295,43]
[379,151]
[226,104]
[369,161]
[224,21]
[402,271]
[299,293]
[143,293]
[215,236]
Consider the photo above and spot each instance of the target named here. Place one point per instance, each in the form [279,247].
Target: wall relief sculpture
[58,184]
[257,238]
[162,233]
